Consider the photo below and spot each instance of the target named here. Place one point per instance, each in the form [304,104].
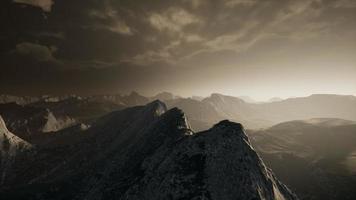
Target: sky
[256,48]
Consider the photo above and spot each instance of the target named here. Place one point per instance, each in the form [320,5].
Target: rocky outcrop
[148,152]
[215,164]
[54,124]
[10,146]
[29,121]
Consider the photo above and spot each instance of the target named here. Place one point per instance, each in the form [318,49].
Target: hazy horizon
[70,129]
[250,48]
[250,99]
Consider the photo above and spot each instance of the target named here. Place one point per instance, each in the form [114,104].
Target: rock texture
[216,164]
[10,146]
[10,143]
[263,115]
[319,152]
[146,152]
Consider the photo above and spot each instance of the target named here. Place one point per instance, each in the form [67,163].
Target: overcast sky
[258,48]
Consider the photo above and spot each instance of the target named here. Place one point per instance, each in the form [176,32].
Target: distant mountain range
[201,112]
[304,140]
[316,157]
[208,111]
[143,152]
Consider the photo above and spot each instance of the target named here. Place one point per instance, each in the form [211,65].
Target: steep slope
[82,109]
[314,138]
[145,152]
[201,115]
[263,115]
[100,162]
[204,112]
[214,164]
[318,151]
[314,106]
[10,146]
[236,109]
[247,99]
[29,121]
[134,99]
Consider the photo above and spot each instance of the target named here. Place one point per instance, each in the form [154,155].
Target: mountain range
[205,112]
[316,156]
[10,146]
[144,152]
[210,110]
[303,140]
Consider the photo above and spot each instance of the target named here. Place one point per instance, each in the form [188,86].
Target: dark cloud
[45,5]
[128,44]
[38,52]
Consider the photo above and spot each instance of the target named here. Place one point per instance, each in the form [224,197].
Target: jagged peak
[229,124]
[168,94]
[218,162]
[2,124]
[179,116]
[216,95]
[229,128]
[156,106]
[13,142]
[134,93]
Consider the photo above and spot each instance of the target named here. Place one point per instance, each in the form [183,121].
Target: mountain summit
[215,164]
[148,152]
[10,146]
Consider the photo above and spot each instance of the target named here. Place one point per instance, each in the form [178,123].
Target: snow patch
[55,124]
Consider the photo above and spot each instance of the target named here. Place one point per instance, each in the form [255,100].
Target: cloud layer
[125,45]
[45,5]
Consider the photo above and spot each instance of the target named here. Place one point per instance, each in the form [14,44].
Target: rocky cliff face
[319,152]
[215,164]
[10,146]
[147,152]
[29,121]
[10,143]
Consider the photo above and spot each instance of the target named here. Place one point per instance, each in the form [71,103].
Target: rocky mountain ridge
[146,152]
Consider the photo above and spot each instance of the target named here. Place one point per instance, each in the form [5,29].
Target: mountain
[205,112]
[210,110]
[252,115]
[233,108]
[215,164]
[314,106]
[134,99]
[82,109]
[10,144]
[318,151]
[198,98]
[10,147]
[145,152]
[16,99]
[29,121]
[51,114]
[263,115]
[201,115]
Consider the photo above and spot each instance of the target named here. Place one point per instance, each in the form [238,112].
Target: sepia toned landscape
[185,99]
